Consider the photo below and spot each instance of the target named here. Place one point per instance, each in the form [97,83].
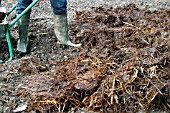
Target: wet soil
[122,66]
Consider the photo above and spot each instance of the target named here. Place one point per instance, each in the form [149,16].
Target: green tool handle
[11,9]
[20,15]
[12,23]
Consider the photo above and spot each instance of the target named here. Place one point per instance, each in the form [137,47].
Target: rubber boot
[61,30]
[23,41]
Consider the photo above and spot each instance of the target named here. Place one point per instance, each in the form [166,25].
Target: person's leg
[59,8]
[23,24]
[22,5]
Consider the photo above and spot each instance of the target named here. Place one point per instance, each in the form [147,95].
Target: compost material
[123,65]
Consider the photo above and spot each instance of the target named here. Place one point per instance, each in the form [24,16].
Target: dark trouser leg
[23,24]
[60,22]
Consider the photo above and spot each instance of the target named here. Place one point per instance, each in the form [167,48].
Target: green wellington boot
[23,24]
[61,30]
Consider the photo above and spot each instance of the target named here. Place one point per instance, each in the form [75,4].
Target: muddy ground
[123,64]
